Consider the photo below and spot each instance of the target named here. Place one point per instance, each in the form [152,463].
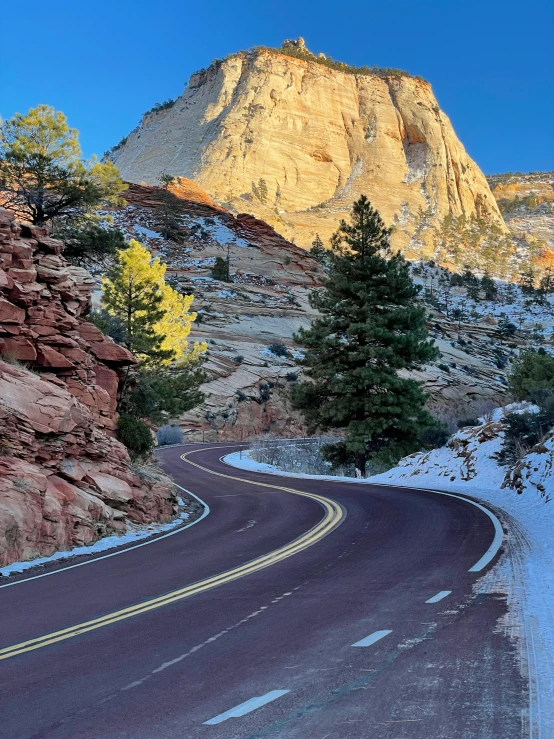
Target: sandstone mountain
[64,479]
[295,141]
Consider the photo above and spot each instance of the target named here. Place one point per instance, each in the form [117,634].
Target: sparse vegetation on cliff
[158,107]
[299,51]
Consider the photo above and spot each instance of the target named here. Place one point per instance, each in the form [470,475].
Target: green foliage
[370,327]
[90,244]
[133,296]
[527,281]
[280,350]
[42,176]
[158,107]
[434,437]
[523,431]
[506,328]
[220,270]
[136,435]
[532,372]
[160,393]
[329,62]
[110,325]
[169,211]
[488,286]
[260,190]
[547,281]
[319,252]
[474,242]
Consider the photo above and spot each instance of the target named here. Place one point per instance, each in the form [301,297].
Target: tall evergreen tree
[132,293]
[170,210]
[370,327]
[155,319]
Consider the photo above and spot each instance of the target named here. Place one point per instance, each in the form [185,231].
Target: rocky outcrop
[294,142]
[527,204]
[64,479]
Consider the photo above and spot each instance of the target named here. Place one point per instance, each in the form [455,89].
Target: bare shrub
[298,455]
[169,435]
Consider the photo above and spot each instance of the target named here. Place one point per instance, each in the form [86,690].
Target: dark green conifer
[371,327]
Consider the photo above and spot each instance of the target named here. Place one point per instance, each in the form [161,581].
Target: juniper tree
[370,327]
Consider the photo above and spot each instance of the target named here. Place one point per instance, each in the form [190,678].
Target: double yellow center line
[333,516]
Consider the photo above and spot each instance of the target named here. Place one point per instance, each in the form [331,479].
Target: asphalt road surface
[296,609]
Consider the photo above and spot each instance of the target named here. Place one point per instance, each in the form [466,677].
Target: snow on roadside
[525,573]
[133,535]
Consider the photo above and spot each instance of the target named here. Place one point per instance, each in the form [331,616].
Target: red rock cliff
[64,480]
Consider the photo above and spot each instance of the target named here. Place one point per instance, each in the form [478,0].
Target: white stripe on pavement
[372,638]
[118,551]
[246,707]
[439,596]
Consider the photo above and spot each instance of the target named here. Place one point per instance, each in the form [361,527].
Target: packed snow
[223,234]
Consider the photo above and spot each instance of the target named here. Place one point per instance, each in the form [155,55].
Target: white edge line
[487,557]
[439,596]
[368,641]
[120,551]
[247,707]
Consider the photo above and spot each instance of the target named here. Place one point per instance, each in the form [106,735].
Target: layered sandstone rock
[527,204]
[64,479]
[318,138]
[248,385]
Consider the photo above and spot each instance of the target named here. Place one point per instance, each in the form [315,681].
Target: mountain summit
[295,138]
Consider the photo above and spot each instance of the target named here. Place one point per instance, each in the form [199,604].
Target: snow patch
[108,542]
[146,232]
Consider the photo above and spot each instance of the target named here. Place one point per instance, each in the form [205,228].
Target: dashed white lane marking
[372,638]
[439,596]
[246,707]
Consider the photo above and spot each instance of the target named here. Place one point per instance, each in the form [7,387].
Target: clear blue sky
[105,62]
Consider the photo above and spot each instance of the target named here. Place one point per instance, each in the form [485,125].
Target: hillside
[294,141]
[526,202]
[246,321]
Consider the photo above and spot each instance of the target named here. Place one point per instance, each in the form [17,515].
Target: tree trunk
[360,458]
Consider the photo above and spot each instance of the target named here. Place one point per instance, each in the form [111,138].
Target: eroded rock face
[318,138]
[64,479]
[527,203]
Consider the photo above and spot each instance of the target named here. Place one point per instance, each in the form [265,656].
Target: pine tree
[488,286]
[547,281]
[42,176]
[155,317]
[318,251]
[370,327]
[527,281]
[132,293]
[220,270]
[169,211]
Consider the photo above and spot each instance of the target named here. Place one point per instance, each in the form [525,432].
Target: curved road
[296,609]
